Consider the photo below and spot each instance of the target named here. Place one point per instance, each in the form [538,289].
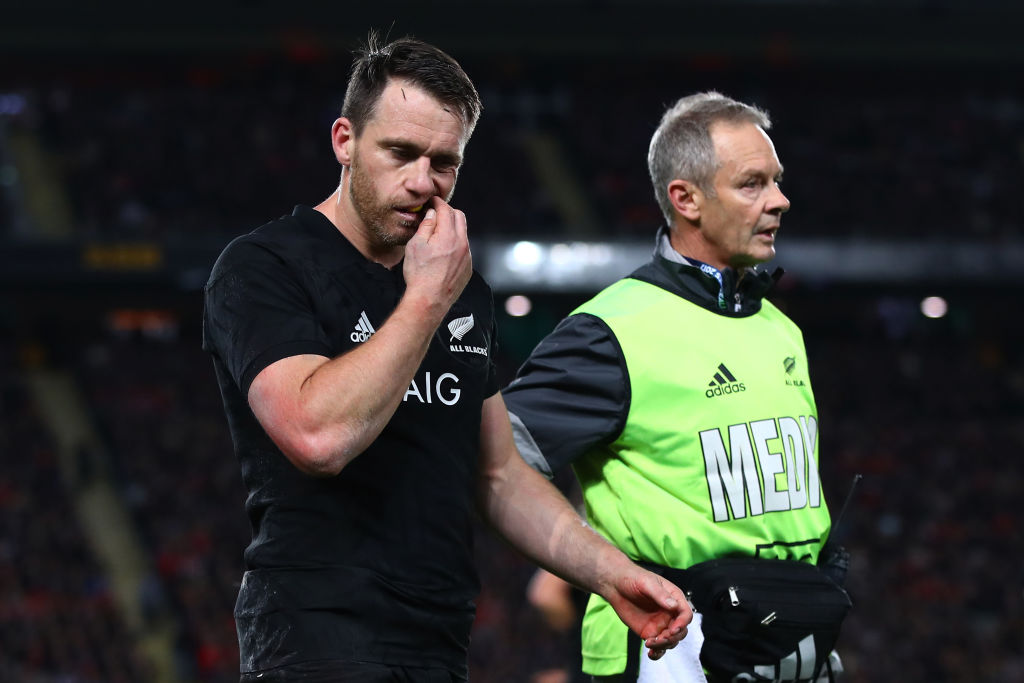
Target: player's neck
[340,212]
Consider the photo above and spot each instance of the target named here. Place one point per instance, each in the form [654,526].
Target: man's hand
[438,264]
[652,607]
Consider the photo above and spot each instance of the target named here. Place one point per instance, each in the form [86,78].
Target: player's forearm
[345,403]
[535,517]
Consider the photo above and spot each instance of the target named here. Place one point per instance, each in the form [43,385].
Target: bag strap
[676,576]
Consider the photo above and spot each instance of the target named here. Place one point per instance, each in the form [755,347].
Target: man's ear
[342,139]
[686,198]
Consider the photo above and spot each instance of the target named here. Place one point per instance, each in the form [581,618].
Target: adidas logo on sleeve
[363,331]
[723,382]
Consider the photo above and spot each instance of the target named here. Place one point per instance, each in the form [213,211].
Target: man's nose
[419,180]
[779,203]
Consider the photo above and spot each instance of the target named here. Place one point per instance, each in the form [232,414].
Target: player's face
[409,151]
[739,223]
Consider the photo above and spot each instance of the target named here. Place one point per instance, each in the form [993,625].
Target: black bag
[763,620]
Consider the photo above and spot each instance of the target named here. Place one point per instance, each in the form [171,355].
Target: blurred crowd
[206,149]
[928,411]
[158,406]
[59,622]
[931,423]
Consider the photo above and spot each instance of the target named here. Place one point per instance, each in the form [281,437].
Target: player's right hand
[438,263]
[653,607]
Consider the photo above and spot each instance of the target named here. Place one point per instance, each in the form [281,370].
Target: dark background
[136,139]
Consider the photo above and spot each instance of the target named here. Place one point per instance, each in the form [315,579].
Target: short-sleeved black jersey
[376,563]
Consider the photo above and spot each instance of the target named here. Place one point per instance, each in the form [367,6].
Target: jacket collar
[722,291]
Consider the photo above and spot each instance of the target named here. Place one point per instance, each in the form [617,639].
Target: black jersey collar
[322,228]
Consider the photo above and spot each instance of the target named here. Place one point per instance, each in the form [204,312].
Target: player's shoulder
[252,247]
[299,239]
[478,285]
[477,295]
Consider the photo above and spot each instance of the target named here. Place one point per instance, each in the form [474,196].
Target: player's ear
[686,199]
[342,138]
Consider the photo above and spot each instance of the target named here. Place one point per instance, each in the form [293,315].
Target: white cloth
[681,664]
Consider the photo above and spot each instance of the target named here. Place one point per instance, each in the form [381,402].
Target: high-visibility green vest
[719,451]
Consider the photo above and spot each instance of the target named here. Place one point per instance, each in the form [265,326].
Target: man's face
[409,151]
[739,223]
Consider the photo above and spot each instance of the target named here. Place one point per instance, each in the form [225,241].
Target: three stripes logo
[723,382]
[364,330]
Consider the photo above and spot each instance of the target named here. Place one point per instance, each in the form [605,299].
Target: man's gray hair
[682,148]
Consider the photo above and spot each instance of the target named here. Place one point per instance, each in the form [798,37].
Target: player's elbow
[317,453]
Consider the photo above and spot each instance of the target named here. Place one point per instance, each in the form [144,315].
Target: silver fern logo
[460,326]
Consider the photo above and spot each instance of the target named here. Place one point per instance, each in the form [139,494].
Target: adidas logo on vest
[723,383]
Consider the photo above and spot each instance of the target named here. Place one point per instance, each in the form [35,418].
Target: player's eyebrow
[408,146]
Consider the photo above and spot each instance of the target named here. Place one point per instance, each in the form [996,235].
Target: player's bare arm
[536,518]
[324,412]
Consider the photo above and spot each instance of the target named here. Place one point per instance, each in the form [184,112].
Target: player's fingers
[665,594]
[677,604]
[667,639]
[428,225]
[673,596]
[680,623]
[445,217]
[461,226]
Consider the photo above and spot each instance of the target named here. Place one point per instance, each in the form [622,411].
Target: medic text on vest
[780,452]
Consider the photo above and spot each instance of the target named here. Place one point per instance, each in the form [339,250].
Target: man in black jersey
[353,346]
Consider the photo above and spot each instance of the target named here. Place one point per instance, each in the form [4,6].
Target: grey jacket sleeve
[570,395]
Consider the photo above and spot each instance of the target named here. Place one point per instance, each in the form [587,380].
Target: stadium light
[934,307]
[518,305]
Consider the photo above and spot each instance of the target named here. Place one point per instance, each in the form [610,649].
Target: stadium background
[136,139]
